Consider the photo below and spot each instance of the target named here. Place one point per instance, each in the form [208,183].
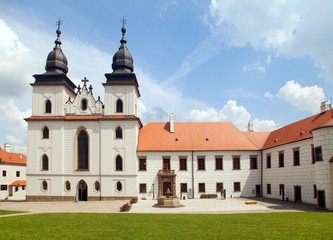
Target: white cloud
[289,28]
[254,67]
[14,115]
[268,95]
[268,59]
[16,62]
[264,125]
[303,98]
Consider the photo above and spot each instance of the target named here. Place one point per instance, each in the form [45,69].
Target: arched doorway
[82,190]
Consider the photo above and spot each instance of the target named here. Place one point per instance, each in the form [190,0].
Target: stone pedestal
[168,202]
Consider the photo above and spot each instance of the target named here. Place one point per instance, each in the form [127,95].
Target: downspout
[261,175]
[192,176]
[100,164]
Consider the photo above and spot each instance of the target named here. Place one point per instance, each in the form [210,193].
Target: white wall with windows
[8,174]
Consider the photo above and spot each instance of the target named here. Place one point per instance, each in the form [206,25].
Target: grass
[168,226]
[5,212]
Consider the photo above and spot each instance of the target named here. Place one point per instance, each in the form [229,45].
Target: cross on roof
[58,23]
[84,80]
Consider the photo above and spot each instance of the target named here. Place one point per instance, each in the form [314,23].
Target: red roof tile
[19,183]
[299,130]
[12,158]
[197,136]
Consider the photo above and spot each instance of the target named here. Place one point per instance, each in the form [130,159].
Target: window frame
[219,187]
[182,187]
[45,133]
[119,106]
[45,163]
[119,133]
[84,104]
[318,154]
[4,173]
[67,186]
[119,186]
[237,186]
[44,186]
[201,187]
[18,174]
[182,163]
[236,162]
[3,187]
[48,106]
[253,162]
[296,157]
[281,159]
[218,163]
[268,160]
[119,165]
[268,188]
[201,163]
[142,164]
[142,187]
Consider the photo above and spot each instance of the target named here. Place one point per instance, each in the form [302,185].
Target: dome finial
[58,41]
[123,30]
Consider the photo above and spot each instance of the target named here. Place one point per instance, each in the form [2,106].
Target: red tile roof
[197,136]
[19,183]
[12,158]
[299,130]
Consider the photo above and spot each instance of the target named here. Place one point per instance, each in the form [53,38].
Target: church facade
[81,148]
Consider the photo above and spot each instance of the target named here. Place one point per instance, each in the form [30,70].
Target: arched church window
[45,163]
[67,186]
[97,186]
[82,150]
[44,186]
[84,104]
[119,133]
[45,132]
[119,186]
[48,106]
[119,106]
[119,163]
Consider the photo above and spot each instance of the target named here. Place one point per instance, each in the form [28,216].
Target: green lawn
[168,226]
[4,212]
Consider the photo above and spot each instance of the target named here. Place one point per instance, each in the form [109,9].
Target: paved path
[209,206]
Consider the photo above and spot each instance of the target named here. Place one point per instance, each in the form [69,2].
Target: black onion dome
[122,59]
[56,60]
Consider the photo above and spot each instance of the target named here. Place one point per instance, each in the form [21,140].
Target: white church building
[82,148]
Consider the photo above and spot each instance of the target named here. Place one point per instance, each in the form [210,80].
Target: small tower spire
[123,30]
[58,41]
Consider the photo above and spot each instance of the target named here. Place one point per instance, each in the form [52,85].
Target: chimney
[250,126]
[172,123]
[7,147]
[324,106]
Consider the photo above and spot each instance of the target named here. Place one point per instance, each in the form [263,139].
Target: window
[45,163]
[84,104]
[18,173]
[183,187]
[269,189]
[236,162]
[119,133]
[16,189]
[237,187]
[318,154]
[268,161]
[45,132]
[142,164]
[218,163]
[281,159]
[201,163]
[4,187]
[48,106]
[166,163]
[83,151]
[314,191]
[253,162]
[67,186]
[119,186]
[119,163]
[313,155]
[44,186]
[296,157]
[182,164]
[97,186]
[219,187]
[119,106]
[4,173]
[143,188]
[202,187]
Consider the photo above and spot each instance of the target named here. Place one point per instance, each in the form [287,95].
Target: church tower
[80,148]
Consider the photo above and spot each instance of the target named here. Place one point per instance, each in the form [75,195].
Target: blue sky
[227,60]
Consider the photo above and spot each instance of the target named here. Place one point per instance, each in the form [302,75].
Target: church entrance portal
[82,191]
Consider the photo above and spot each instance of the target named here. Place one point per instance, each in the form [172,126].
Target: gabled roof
[12,158]
[197,136]
[19,183]
[299,130]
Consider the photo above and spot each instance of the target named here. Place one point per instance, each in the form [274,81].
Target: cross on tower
[124,22]
[58,23]
[84,80]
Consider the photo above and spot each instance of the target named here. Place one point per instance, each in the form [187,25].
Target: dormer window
[84,104]
[119,106]
[48,106]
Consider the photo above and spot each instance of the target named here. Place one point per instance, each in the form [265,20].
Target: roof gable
[12,158]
